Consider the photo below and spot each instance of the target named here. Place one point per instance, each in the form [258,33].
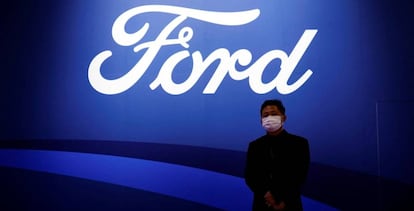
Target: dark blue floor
[20,189]
[31,190]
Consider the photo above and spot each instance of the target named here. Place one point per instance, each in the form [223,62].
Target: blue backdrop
[355,107]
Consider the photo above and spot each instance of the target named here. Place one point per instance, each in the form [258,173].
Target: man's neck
[275,133]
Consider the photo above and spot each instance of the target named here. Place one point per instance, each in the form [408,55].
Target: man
[277,163]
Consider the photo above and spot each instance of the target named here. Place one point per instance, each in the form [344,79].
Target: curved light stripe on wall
[198,185]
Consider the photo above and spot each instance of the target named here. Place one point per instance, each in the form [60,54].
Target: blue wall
[355,108]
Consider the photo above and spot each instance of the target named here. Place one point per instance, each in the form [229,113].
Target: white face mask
[272,123]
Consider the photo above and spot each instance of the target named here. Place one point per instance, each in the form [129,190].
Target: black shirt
[278,164]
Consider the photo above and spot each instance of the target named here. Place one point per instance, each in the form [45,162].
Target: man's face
[272,110]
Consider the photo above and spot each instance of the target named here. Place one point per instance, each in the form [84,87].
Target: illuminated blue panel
[198,185]
[361,54]
[52,44]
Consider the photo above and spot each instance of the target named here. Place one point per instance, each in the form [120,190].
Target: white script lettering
[227,62]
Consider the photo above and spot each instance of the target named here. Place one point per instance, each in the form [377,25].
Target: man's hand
[270,201]
[279,206]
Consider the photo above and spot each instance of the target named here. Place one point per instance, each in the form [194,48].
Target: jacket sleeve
[255,174]
[304,162]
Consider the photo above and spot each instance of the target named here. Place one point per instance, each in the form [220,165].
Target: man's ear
[284,117]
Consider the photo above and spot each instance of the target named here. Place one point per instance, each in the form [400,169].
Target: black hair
[275,102]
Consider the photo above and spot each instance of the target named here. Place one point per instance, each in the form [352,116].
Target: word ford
[227,62]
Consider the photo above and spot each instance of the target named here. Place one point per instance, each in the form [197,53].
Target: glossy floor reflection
[57,179]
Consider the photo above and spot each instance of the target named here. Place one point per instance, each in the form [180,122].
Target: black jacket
[278,164]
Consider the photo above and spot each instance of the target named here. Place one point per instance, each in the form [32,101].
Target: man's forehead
[270,108]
